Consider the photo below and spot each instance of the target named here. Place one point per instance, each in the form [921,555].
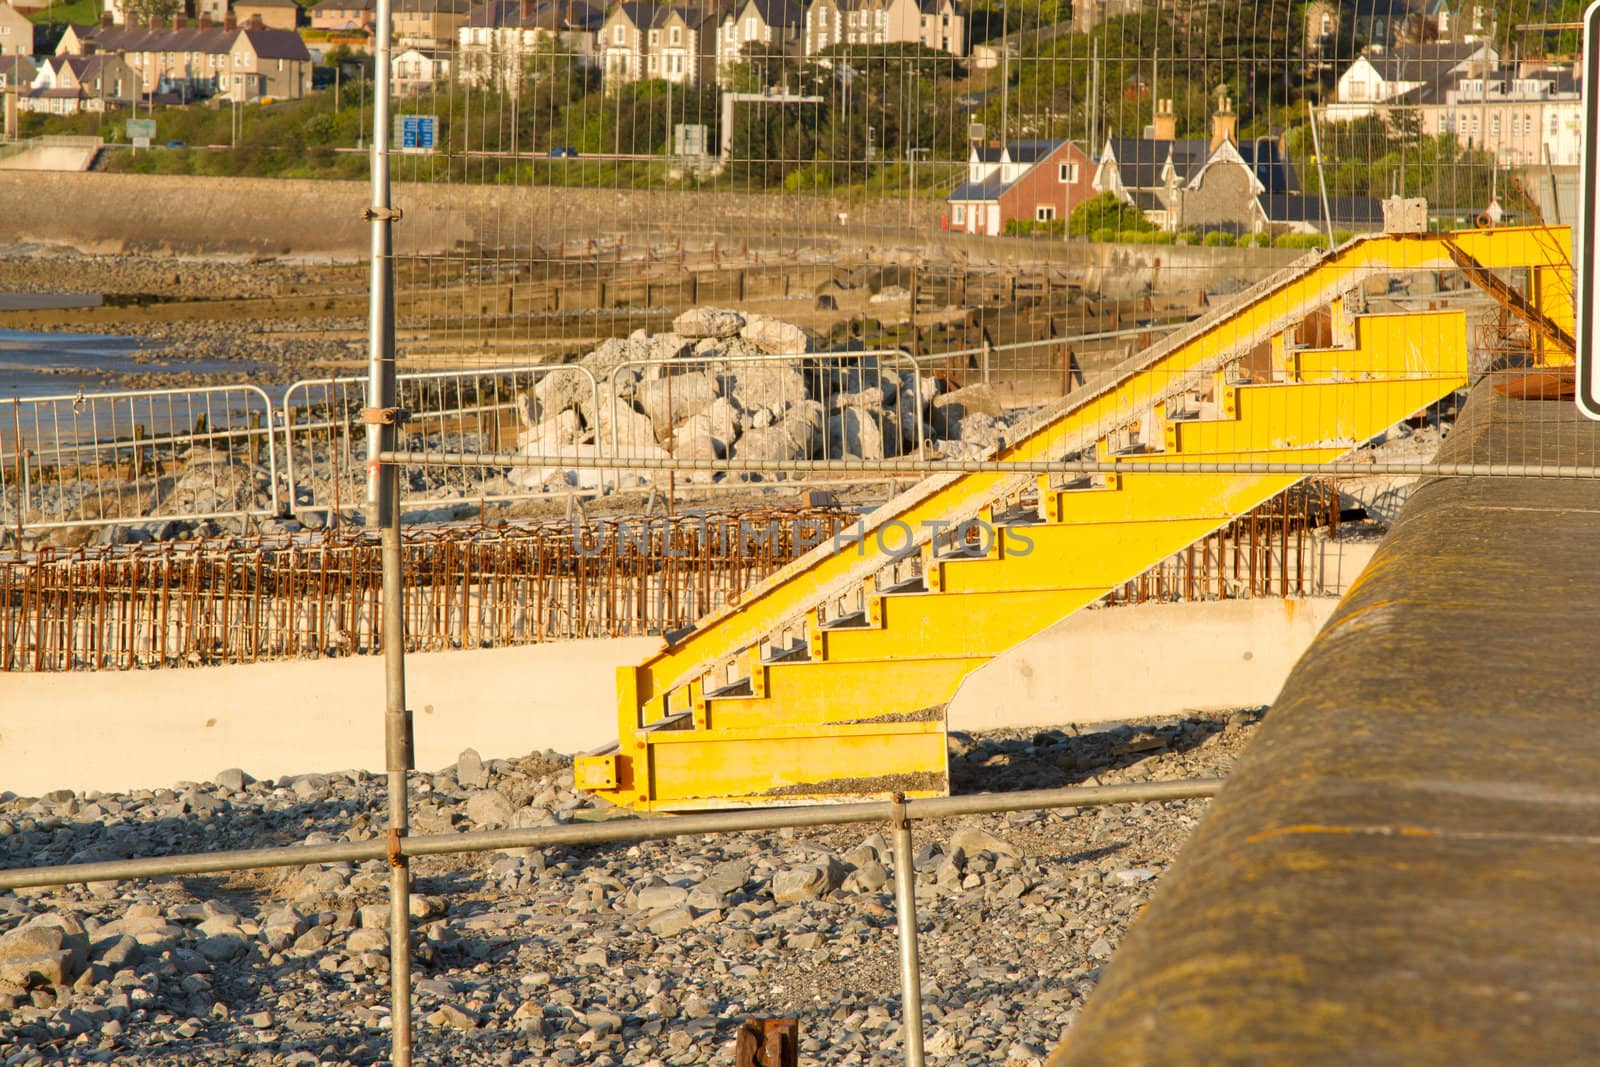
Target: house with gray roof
[1024,181]
[499,37]
[243,63]
[769,27]
[1221,184]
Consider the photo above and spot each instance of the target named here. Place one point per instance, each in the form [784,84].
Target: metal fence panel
[137,457]
[471,411]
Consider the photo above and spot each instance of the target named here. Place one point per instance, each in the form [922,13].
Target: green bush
[1104,235]
[1217,239]
[1254,240]
[1106,212]
[1299,240]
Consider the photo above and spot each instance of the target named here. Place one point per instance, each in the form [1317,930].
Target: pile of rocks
[729,398]
[642,954]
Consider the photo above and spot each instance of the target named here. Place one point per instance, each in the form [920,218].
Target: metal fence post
[383,498]
[905,901]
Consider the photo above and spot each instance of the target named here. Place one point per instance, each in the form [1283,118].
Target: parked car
[564,151]
[176,144]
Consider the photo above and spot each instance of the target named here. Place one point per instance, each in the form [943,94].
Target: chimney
[1224,124]
[256,23]
[105,20]
[228,22]
[180,22]
[1166,124]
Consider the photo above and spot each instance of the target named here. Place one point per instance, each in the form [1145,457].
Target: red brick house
[1035,181]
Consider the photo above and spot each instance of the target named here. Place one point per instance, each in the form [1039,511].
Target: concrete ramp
[51,153]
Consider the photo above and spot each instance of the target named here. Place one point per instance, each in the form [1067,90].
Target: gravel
[643,954]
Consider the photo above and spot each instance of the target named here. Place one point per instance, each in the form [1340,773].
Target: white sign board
[1586,285]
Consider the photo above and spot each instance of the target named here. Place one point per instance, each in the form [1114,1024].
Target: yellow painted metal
[783,764]
[848,691]
[922,624]
[737,749]
[1414,345]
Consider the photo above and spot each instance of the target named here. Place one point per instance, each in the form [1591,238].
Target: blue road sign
[415,133]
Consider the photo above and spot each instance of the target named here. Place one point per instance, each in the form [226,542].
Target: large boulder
[707,322]
[708,434]
[623,431]
[49,950]
[669,346]
[669,400]
[795,436]
[950,409]
[774,384]
[775,336]
[552,436]
[858,434]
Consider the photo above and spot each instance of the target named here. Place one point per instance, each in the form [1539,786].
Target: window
[822,17]
[1494,126]
[958,214]
[677,35]
[1044,213]
[1553,128]
[652,64]
[619,35]
[1068,173]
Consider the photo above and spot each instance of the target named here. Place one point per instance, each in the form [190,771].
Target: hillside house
[771,27]
[345,16]
[1034,181]
[643,41]
[1418,72]
[430,25]
[16,32]
[16,72]
[67,85]
[273,14]
[415,70]
[939,24]
[499,38]
[236,63]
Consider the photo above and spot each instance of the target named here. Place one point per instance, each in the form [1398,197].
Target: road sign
[141,129]
[1587,283]
[415,133]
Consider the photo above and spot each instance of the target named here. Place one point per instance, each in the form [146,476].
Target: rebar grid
[486,586]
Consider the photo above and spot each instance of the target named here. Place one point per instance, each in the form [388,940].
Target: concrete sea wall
[188,215]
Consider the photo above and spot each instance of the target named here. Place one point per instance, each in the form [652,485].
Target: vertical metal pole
[905,900]
[383,504]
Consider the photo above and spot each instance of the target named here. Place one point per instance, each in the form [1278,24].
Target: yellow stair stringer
[1126,394]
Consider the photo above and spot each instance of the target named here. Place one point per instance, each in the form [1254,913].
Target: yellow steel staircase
[827,682]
